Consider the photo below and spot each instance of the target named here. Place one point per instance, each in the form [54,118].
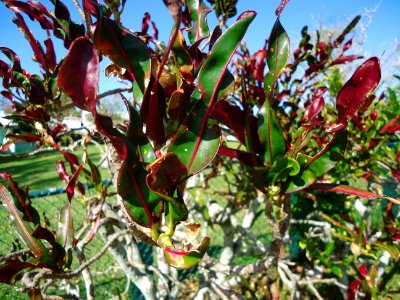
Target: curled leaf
[186,259]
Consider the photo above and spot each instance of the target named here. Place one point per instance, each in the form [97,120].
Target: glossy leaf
[104,125]
[271,136]
[39,54]
[357,89]
[194,136]
[24,228]
[152,111]
[234,118]
[136,136]
[280,8]
[141,202]
[34,9]
[215,36]
[213,69]
[50,54]
[13,57]
[314,167]
[316,105]
[181,259]
[182,58]
[125,49]
[79,74]
[278,54]
[178,106]
[198,13]
[195,145]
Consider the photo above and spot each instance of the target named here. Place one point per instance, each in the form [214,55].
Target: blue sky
[381,33]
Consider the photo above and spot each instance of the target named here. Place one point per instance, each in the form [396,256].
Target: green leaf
[393,249]
[213,69]
[335,269]
[24,228]
[93,175]
[272,140]
[198,12]
[136,137]
[278,54]
[196,149]
[125,49]
[314,167]
[186,259]
[174,214]
[141,202]
[224,8]
[182,58]
[196,143]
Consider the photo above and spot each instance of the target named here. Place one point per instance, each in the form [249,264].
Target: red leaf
[50,54]
[325,187]
[146,22]
[14,58]
[155,30]
[363,270]
[95,226]
[92,6]
[389,126]
[34,9]
[347,45]
[79,74]
[9,270]
[166,173]
[105,126]
[281,7]
[317,103]
[247,158]
[357,89]
[36,47]
[352,291]
[152,112]
[343,59]
[61,171]
[234,118]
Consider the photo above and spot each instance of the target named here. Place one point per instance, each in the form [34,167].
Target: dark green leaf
[193,146]
[125,49]
[141,202]
[271,136]
[198,13]
[278,54]
[314,167]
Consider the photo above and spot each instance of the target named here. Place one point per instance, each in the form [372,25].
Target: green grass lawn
[39,171]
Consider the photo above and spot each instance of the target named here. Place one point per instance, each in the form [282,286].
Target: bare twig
[113,92]
[322,281]
[14,255]
[78,7]
[103,250]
